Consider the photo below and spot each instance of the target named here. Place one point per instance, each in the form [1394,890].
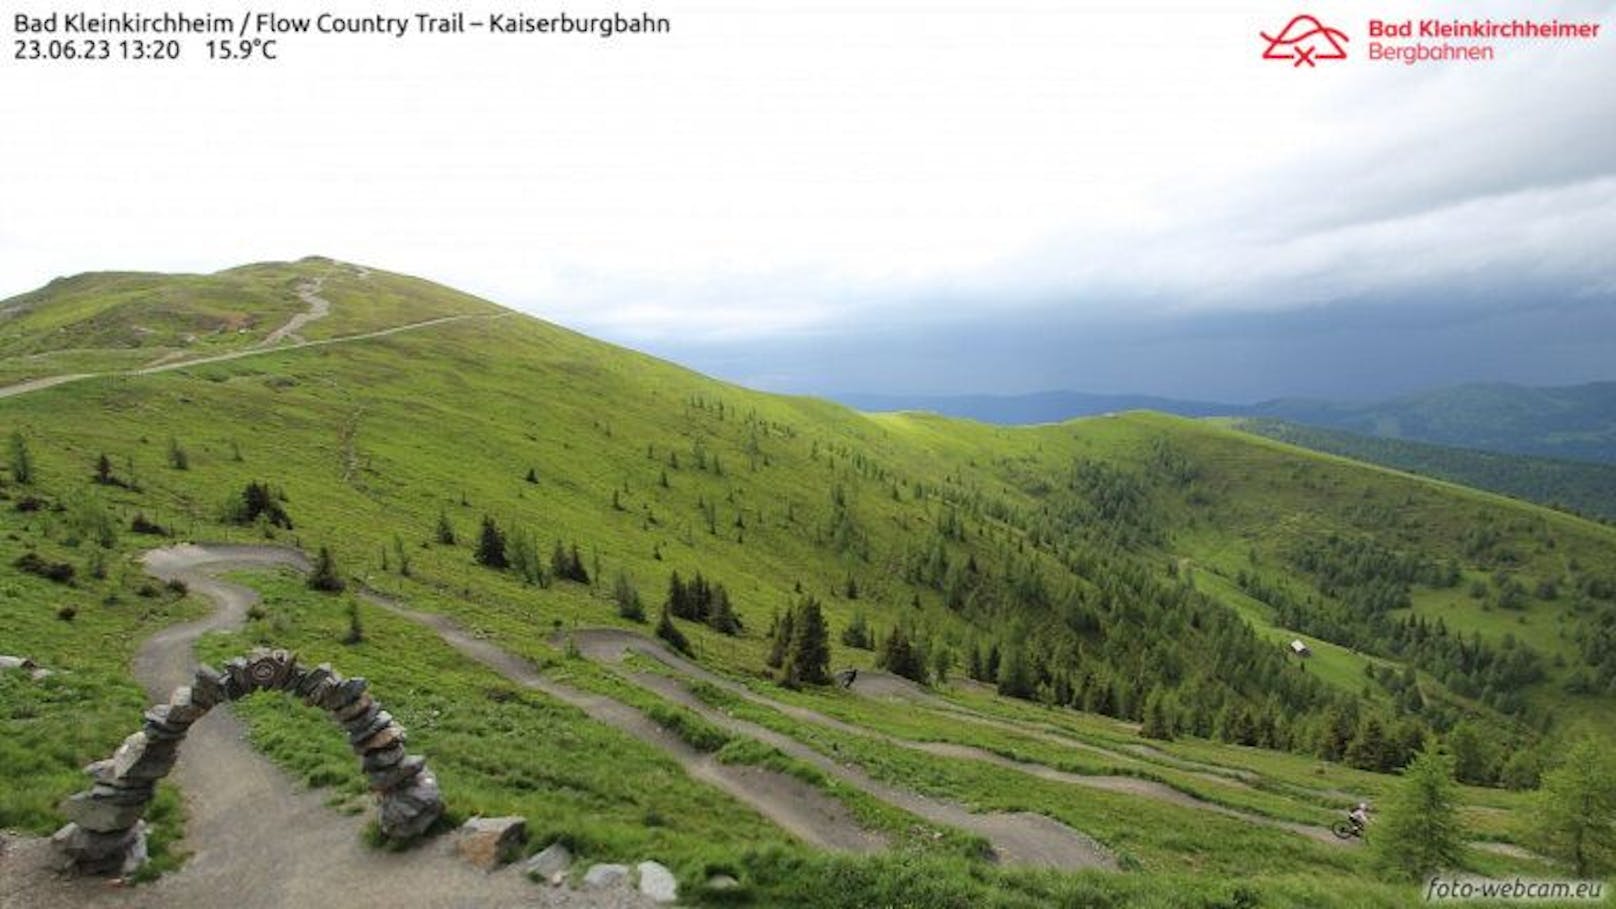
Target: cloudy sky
[891,196]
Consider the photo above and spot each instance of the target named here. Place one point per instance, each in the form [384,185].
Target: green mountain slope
[1574,485]
[1138,568]
[1577,422]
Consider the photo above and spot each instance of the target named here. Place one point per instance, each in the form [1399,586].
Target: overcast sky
[891,196]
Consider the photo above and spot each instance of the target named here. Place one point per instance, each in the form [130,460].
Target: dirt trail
[796,806]
[1018,838]
[885,684]
[32,385]
[610,644]
[257,839]
[319,308]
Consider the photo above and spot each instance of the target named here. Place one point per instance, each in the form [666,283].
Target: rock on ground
[555,859]
[489,842]
[658,883]
[600,877]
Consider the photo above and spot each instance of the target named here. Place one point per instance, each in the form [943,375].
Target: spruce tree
[857,633]
[1015,676]
[627,598]
[445,531]
[808,660]
[670,632]
[780,638]
[325,575]
[491,546]
[899,657]
[1158,722]
[721,617]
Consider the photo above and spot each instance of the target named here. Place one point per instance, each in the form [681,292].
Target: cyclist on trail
[1359,816]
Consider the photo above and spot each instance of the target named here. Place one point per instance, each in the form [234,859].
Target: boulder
[600,877]
[658,883]
[207,688]
[397,775]
[102,853]
[407,812]
[15,662]
[102,815]
[139,759]
[722,882]
[555,859]
[489,842]
[183,710]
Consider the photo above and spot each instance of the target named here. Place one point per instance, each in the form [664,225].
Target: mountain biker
[1359,816]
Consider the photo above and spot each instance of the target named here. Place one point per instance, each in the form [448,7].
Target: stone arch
[105,833]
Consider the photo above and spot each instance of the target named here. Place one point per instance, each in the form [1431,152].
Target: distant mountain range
[1576,422]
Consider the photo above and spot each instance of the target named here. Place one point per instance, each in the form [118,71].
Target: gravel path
[610,644]
[801,809]
[257,838]
[32,385]
[319,308]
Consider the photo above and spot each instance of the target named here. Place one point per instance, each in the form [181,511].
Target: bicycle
[1348,830]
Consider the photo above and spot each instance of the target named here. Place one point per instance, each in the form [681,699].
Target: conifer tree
[325,576]
[1419,831]
[1576,814]
[899,657]
[22,461]
[491,546]
[808,660]
[670,633]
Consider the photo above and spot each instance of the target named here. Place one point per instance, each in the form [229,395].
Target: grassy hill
[1579,486]
[1101,573]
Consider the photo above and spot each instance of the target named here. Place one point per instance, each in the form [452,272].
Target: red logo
[1305,39]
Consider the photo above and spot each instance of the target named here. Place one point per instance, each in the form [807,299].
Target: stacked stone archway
[106,833]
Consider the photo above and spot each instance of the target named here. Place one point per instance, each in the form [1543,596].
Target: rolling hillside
[1057,587]
[1579,486]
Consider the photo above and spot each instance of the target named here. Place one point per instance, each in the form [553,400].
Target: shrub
[34,564]
[141,525]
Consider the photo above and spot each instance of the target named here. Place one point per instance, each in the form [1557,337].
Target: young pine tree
[627,598]
[1576,811]
[899,657]
[857,633]
[22,461]
[1419,831]
[325,576]
[808,660]
[780,639]
[491,546]
[445,531]
[670,633]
